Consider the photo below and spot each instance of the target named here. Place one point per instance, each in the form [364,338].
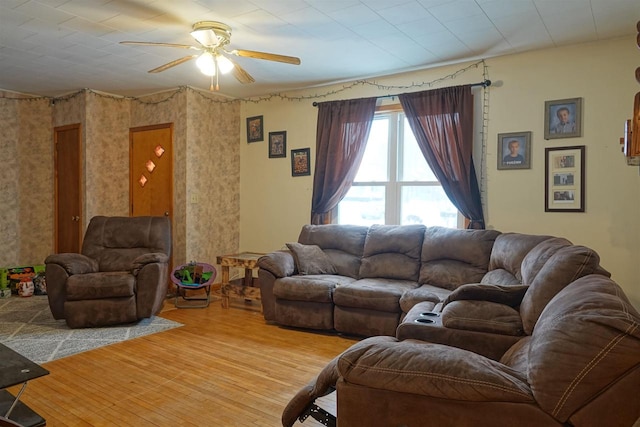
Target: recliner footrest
[323,417]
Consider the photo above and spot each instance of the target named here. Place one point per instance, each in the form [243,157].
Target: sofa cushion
[434,370]
[343,244]
[420,294]
[508,295]
[311,259]
[93,286]
[318,288]
[392,251]
[452,257]
[538,257]
[501,277]
[373,294]
[586,339]
[563,267]
[510,249]
[482,316]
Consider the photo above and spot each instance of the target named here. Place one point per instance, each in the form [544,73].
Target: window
[394,184]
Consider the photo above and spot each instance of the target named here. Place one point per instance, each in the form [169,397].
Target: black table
[16,369]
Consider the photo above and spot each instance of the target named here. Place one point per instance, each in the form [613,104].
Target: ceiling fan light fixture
[206,64]
[224,64]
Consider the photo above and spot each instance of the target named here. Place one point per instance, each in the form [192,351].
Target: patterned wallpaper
[213,177]
[206,163]
[35,177]
[9,184]
[106,157]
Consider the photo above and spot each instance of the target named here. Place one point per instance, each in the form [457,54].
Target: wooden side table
[245,289]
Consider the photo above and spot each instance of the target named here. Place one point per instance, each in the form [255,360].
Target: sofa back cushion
[538,257]
[507,254]
[452,257]
[392,252]
[115,242]
[586,339]
[567,264]
[343,244]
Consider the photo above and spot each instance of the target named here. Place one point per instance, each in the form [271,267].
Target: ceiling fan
[212,38]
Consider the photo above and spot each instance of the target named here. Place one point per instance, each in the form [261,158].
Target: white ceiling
[53,47]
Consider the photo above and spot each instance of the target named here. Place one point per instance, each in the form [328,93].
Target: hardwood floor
[224,367]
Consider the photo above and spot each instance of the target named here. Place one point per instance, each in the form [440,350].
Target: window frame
[393,186]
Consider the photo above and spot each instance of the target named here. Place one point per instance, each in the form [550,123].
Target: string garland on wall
[170,94]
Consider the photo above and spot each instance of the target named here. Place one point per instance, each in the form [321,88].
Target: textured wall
[106,156]
[26,224]
[35,177]
[213,177]
[206,163]
[9,184]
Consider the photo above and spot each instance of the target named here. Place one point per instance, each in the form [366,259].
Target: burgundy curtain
[442,122]
[343,130]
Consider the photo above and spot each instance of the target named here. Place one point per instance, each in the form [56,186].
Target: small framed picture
[564,179]
[514,150]
[255,129]
[563,118]
[301,162]
[277,144]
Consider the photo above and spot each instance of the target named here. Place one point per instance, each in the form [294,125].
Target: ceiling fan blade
[173,63]
[206,37]
[241,74]
[266,56]
[182,46]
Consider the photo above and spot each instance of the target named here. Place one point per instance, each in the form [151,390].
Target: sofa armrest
[73,263]
[501,294]
[149,258]
[432,370]
[279,263]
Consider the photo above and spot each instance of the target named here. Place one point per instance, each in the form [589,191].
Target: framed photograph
[563,118]
[564,179]
[514,150]
[301,162]
[277,144]
[255,129]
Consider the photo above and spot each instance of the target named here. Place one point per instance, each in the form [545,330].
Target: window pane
[374,163]
[414,165]
[363,205]
[427,205]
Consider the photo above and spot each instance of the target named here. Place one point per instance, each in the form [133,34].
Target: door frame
[80,182]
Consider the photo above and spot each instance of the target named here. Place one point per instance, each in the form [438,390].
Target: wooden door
[151,170]
[68,184]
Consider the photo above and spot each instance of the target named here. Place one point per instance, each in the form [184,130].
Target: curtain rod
[484,83]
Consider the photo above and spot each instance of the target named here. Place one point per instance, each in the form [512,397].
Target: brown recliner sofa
[365,280]
[121,276]
[489,318]
[580,367]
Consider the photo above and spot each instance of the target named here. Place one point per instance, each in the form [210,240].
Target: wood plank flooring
[224,367]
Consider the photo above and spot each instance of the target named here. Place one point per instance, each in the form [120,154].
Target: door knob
[75,218]
[166,213]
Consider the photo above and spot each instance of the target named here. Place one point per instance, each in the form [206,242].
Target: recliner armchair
[121,276]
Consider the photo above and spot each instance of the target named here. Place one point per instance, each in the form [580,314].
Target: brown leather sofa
[580,366]
[489,318]
[365,280]
[121,276]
